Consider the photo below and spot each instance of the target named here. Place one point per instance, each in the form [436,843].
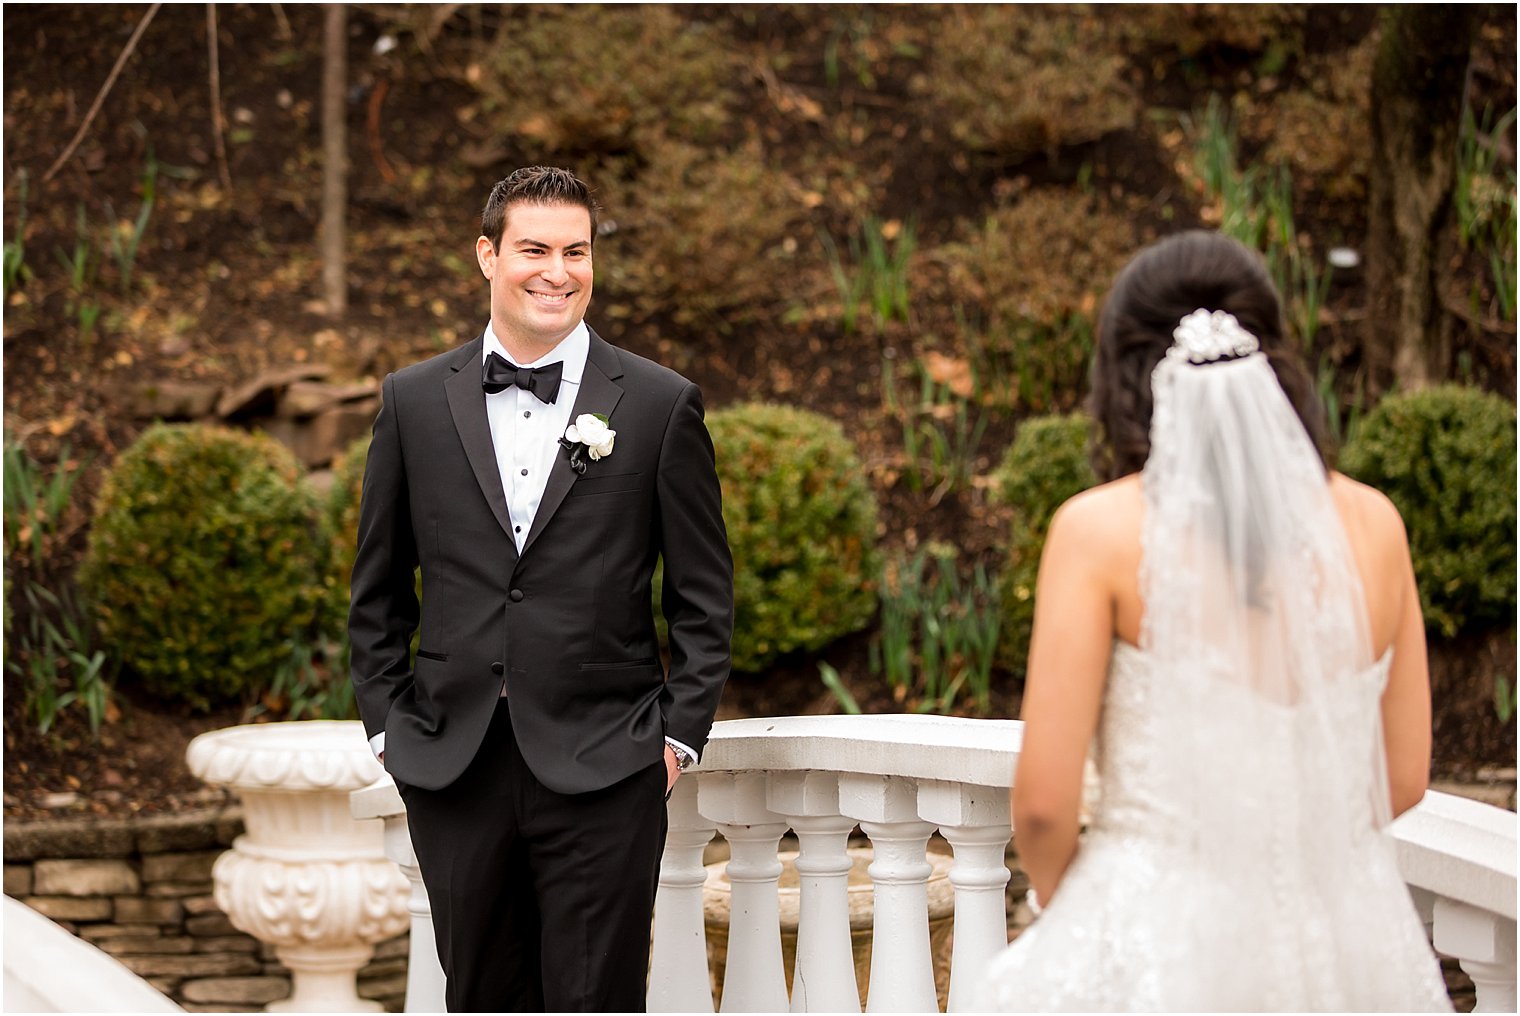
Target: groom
[535,475]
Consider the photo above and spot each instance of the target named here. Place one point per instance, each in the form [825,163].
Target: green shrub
[1272,32]
[322,687]
[586,80]
[801,523]
[1046,464]
[204,565]
[702,237]
[340,525]
[1003,80]
[1323,132]
[1446,458]
[1035,270]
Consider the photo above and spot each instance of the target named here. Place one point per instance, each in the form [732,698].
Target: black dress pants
[541,901]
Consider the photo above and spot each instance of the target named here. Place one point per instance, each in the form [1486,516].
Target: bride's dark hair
[1164,282]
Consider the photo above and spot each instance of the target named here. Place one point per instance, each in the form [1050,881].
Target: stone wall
[140,889]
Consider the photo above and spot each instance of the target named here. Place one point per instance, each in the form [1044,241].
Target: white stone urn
[306,876]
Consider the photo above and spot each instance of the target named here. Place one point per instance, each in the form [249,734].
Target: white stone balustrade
[1458,857]
[900,778]
[47,969]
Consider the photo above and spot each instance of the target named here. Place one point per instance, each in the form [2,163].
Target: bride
[1234,629]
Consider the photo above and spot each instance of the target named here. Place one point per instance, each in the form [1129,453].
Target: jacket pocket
[620,664]
[615,483]
[426,655]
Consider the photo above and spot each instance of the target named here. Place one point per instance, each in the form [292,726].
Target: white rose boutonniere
[588,435]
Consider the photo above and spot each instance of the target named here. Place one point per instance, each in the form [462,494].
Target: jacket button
[497,668]
[517,595]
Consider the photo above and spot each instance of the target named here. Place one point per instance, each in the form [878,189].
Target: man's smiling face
[540,276]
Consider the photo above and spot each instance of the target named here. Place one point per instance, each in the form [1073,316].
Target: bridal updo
[1156,290]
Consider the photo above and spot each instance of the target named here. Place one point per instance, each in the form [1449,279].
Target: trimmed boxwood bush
[801,523]
[340,525]
[1446,458]
[204,563]
[1046,464]
[340,528]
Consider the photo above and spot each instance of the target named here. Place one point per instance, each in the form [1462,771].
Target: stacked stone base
[140,889]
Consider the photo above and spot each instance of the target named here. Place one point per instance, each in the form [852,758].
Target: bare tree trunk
[335,161]
[218,124]
[1418,83]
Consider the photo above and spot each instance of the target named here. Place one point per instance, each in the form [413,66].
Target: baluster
[679,980]
[1424,905]
[902,971]
[424,977]
[1484,943]
[974,820]
[753,979]
[823,979]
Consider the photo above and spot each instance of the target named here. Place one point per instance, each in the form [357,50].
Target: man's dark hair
[1170,279]
[534,185]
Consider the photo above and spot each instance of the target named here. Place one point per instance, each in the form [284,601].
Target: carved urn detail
[306,876]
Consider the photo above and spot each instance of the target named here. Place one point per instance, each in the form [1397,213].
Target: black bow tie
[500,374]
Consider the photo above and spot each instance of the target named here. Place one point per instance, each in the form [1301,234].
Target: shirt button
[517,529]
[525,472]
[527,413]
[516,595]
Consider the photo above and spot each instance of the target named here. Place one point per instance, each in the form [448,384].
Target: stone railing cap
[1461,849]
[380,799]
[952,748]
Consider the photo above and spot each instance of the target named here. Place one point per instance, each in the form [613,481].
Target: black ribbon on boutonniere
[577,452]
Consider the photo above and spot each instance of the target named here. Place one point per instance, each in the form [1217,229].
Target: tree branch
[105,89]
[283,21]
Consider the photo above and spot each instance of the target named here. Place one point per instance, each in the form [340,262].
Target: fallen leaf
[951,371]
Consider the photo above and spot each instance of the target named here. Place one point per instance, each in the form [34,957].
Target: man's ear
[485,255]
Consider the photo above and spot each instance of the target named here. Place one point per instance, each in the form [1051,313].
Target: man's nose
[554,271]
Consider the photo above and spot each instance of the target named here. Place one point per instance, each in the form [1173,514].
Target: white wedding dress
[1144,922]
[1239,857]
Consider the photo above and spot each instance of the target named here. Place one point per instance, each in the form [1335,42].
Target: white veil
[1255,616]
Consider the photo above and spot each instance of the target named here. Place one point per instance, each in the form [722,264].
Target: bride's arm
[1406,699]
[1068,665]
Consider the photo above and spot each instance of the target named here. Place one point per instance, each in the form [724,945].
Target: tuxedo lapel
[599,393]
[467,404]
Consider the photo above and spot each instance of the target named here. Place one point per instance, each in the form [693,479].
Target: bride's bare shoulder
[1120,495]
[1106,514]
[1366,510]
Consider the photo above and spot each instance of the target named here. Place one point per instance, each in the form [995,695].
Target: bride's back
[1113,515]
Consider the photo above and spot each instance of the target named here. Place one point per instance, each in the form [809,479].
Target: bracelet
[1034,902]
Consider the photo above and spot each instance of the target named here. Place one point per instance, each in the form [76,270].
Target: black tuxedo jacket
[568,623]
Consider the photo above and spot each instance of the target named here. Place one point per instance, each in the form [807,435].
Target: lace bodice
[1173,906]
[1134,754]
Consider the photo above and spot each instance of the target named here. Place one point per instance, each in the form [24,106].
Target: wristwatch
[683,760]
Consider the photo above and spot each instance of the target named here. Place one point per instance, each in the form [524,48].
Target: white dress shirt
[525,433]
